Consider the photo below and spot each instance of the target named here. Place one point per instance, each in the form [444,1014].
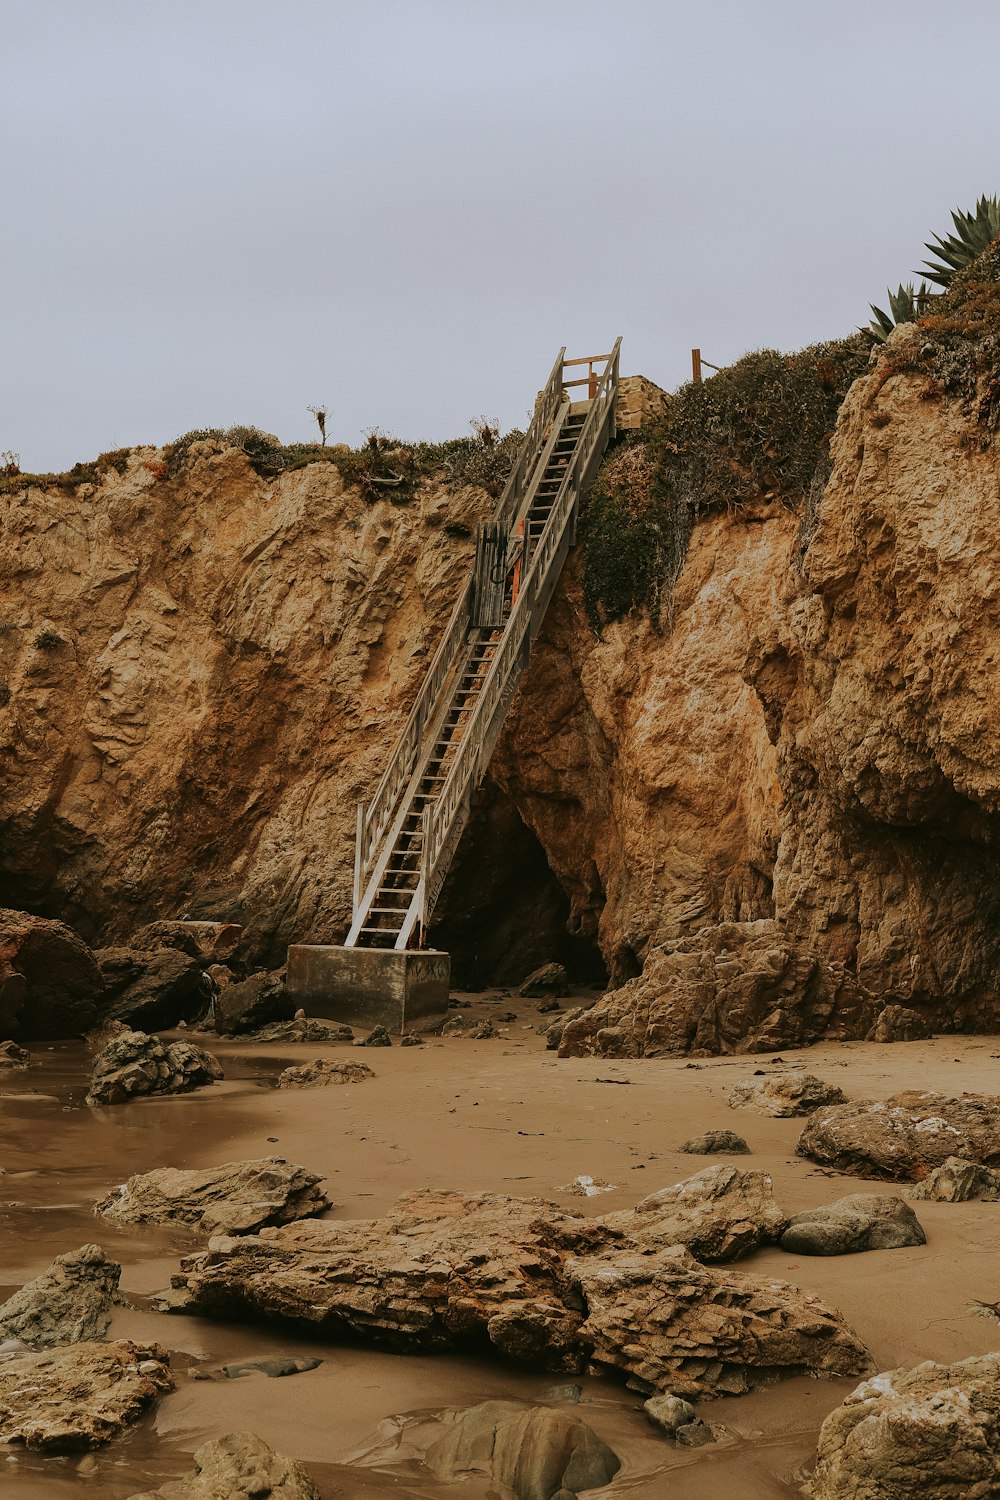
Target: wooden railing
[443,819]
[523,624]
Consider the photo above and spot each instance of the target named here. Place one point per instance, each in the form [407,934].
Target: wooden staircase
[408,833]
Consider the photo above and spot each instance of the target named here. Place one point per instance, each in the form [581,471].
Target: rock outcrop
[956,1181]
[261,1000]
[239,1466]
[861,1221]
[323,1072]
[903,1137]
[531,1284]
[238,1197]
[50,984]
[716,1143]
[303,1029]
[537,1453]
[784,1094]
[80,1395]
[932,1431]
[152,990]
[13,1056]
[133,1064]
[719,1214]
[67,1304]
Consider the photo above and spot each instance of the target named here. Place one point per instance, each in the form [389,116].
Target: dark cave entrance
[502,912]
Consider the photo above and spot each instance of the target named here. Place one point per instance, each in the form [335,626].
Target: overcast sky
[221,211]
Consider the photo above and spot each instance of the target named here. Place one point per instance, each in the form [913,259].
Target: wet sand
[499,1115]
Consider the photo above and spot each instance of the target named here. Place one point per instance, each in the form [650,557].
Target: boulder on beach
[13,1056]
[861,1221]
[79,1396]
[897,1023]
[50,984]
[716,1143]
[258,1001]
[238,1197]
[152,990]
[239,1466]
[904,1137]
[933,1431]
[956,1181]
[323,1072]
[719,1214]
[474,1272]
[211,942]
[784,1094]
[68,1303]
[550,981]
[535,1452]
[133,1064]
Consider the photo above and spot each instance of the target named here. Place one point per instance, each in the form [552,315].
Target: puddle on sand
[60,1157]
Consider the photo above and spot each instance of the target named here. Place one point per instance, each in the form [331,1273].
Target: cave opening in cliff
[502,912]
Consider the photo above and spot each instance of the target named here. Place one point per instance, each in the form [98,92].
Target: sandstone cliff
[773,817]
[201,674]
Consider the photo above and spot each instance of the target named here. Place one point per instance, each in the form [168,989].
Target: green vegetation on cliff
[758,431]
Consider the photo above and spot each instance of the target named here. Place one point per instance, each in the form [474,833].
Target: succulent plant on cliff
[905,306]
[974,233]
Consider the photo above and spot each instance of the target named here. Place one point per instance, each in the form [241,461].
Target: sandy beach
[501,1115]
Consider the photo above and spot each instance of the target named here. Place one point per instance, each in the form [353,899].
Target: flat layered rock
[239,1466]
[904,1137]
[933,1431]
[956,1181]
[79,1396]
[861,1221]
[784,1094]
[670,1324]
[67,1304]
[323,1072]
[534,1451]
[453,1271]
[303,1029]
[238,1197]
[133,1064]
[719,1214]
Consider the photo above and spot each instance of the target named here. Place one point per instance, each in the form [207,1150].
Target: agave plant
[973,233]
[905,305]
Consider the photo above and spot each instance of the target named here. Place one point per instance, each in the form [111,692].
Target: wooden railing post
[696,366]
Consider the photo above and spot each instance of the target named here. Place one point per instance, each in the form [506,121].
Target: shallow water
[499,1115]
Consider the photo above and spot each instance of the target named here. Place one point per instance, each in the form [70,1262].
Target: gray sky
[220,211]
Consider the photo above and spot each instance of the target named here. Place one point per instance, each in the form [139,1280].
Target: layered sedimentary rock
[905,1136]
[78,1396]
[238,1197]
[68,1303]
[452,1271]
[931,1431]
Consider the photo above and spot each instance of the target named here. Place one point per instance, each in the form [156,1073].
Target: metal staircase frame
[381,821]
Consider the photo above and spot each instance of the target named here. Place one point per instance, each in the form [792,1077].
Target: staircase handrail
[375,816]
[488,714]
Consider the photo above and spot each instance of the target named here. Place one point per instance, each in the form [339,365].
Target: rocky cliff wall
[200,676]
[774,815]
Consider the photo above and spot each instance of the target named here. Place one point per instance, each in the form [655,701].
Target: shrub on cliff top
[755,432]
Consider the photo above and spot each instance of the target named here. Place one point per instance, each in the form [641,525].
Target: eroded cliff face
[775,816]
[202,675]
[805,773]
